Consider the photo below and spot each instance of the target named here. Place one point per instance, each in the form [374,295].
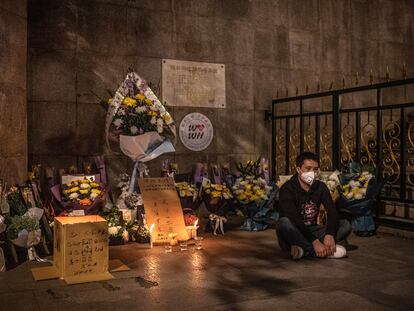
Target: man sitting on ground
[299,202]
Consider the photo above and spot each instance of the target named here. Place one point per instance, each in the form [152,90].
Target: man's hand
[329,243]
[319,248]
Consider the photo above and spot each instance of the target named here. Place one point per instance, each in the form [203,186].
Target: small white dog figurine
[217,223]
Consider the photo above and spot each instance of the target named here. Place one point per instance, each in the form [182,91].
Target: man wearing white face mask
[299,202]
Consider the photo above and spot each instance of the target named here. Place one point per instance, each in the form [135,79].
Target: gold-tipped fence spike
[371,77]
[356,78]
[387,74]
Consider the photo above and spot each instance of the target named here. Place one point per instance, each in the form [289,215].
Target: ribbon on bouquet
[218,223]
[126,89]
[33,256]
[142,170]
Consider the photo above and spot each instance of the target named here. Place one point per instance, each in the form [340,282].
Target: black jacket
[293,203]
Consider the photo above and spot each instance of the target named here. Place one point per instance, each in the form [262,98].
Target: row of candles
[191,231]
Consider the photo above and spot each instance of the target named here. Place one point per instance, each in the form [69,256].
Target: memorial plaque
[162,208]
[193,84]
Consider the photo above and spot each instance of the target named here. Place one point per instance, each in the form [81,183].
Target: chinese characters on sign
[193,84]
[162,208]
[81,251]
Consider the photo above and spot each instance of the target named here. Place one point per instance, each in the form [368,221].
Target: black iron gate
[372,125]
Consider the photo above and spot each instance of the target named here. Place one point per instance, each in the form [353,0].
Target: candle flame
[196,223]
[151,228]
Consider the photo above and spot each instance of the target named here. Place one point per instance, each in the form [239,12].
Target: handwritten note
[162,208]
[81,246]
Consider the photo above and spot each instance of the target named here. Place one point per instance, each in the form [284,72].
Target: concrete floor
[240,271]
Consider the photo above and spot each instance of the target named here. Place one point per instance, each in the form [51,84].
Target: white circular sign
[196,131]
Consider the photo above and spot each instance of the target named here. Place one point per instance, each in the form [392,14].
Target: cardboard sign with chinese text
[162,208]
[81,251]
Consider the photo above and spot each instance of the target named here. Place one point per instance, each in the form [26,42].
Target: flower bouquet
[139,233]
[116,228]
[24,231]
[250,189]
[254,196]
[138,121]
[81,194]
[359,191]
[214,193]
[188,194]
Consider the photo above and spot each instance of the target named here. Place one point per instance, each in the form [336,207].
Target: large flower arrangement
[83,192]
[137,115]
[249,189]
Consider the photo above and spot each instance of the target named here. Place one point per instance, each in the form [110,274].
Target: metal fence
[378,133]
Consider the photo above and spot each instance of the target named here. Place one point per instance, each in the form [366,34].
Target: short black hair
[307,155]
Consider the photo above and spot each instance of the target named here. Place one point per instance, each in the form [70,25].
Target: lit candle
[151,228]
[195,228]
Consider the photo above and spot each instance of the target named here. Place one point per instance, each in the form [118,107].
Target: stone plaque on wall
[193,84]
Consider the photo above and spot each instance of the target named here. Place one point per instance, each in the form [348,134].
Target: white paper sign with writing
[193,84]
[196,131]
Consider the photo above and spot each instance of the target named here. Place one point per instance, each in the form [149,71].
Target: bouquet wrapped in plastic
[24,231]
[188,194]
[139,123]
[81,194]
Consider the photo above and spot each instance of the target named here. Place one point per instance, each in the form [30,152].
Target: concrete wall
[81,48]
[13,115]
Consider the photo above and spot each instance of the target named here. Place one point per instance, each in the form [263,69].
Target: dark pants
[288,234]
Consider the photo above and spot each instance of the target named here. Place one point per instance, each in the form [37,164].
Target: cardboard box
[81,251]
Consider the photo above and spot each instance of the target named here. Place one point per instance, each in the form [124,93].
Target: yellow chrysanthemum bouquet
[189,195]
[83,192]
[250,186]
[249,189]
[214,193]
[186,190]
[356,188]
[138,115]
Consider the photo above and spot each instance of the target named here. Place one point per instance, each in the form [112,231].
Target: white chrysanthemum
[141,109]
[153,108]
[153,120]
[160,122]
[113,230]
[349,195]
[85,186]
[118,122]
[268,188]
[363,191]
[74,195]
[331,185]
[121,112]
[93,196]
[133,129]
[358,196]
